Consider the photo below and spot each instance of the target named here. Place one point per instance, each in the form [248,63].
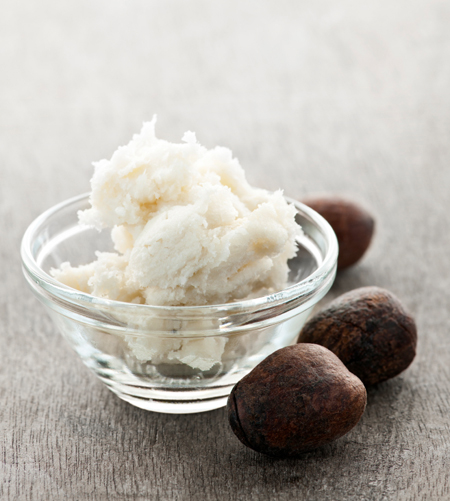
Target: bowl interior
[56,237]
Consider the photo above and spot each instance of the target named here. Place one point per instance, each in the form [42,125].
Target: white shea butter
[188,230]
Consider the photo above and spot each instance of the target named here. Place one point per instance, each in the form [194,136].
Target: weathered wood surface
[350,97]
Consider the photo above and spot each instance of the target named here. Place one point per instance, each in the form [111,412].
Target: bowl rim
[307,287]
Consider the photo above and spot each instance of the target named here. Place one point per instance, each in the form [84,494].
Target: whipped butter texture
[187,227]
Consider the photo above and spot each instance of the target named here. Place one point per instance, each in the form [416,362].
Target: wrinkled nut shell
[353,226]
[369,330]
[297,399]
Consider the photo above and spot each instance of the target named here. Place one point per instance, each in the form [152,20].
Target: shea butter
[187,227]
[188,230]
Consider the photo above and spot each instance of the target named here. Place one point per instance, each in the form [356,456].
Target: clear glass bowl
[172,359]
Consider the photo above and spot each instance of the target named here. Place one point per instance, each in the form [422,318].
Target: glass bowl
[172,359]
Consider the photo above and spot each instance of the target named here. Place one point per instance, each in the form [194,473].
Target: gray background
[346,97]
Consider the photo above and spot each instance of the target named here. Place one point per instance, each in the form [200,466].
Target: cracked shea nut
[297,399]
[369,330]
[352,224]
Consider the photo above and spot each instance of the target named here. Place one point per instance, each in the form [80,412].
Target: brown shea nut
[352,224]
[297,399]
[369,330]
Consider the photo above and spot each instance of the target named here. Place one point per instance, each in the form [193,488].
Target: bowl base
[170,401]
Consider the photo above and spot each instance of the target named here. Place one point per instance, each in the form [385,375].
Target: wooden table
[347,97]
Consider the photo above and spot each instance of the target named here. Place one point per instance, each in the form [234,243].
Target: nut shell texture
[353,226]
[369,330]
[297,399]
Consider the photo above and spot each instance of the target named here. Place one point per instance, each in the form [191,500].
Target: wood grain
[346,97]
